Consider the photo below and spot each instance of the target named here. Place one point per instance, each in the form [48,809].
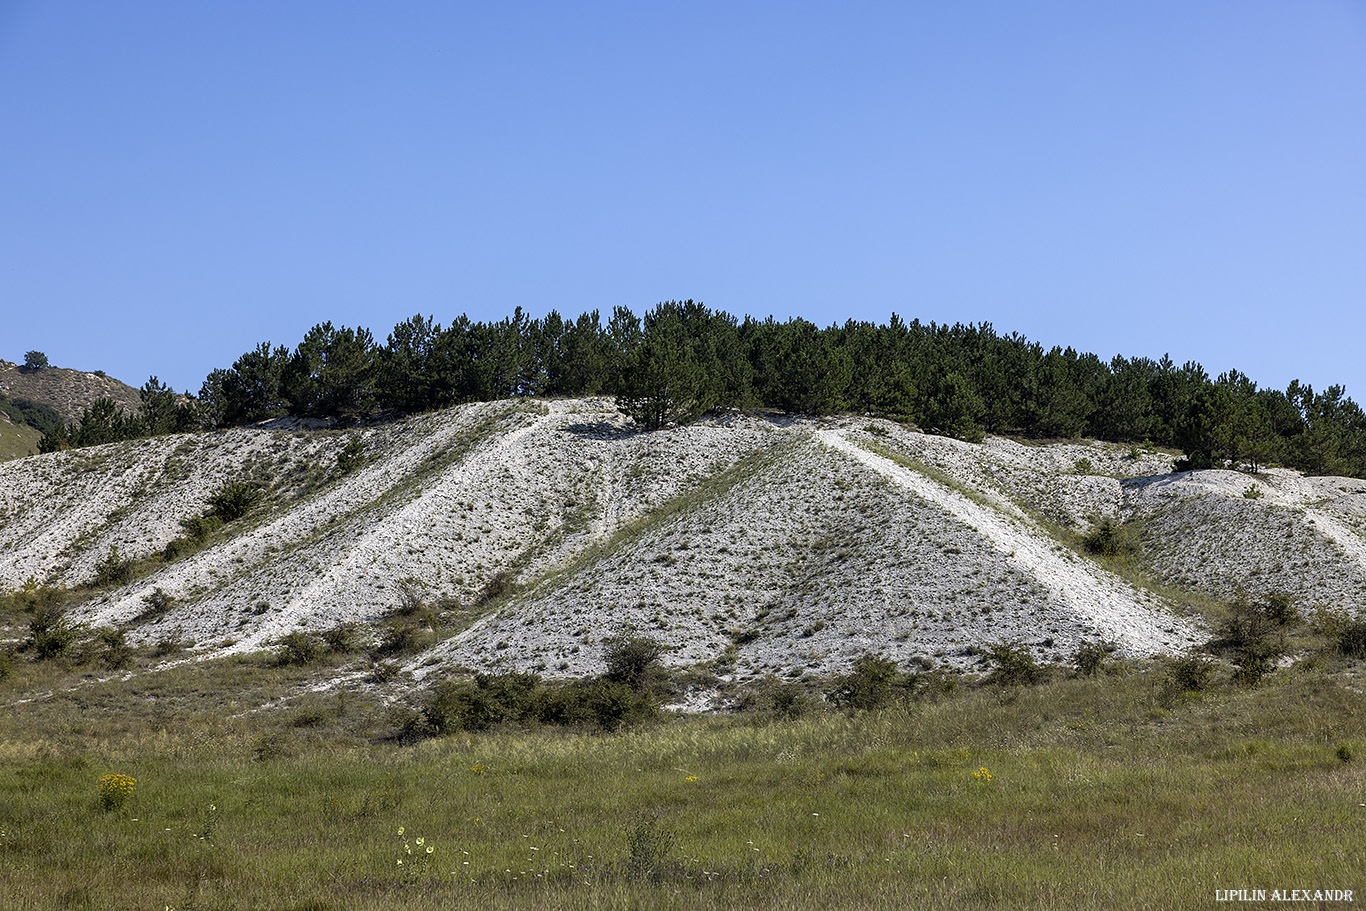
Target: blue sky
[179,181]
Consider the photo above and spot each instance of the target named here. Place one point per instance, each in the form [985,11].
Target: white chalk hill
[795,543]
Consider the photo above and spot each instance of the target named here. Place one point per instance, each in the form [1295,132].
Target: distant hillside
[16,440]
[68,391]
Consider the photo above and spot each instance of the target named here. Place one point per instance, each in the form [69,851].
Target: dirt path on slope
[1132,619]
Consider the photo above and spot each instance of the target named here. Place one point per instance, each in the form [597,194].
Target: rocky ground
[766,543]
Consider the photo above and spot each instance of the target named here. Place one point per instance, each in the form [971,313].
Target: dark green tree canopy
[681,359]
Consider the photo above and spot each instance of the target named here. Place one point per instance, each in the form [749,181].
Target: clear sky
[181,180]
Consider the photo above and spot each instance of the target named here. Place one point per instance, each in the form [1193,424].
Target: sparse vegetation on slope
[234,784]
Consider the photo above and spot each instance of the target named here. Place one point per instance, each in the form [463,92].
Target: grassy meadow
[178,790]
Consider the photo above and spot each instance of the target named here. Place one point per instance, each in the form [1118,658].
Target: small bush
[33,597]
[200,528]
[113,569]
[114,649]
[490,700]
[1090,657]
[1015,665]
[497,586]
[234,500]
[115,791]
[1351,639]
[177,548]
[1280,609]
[297,648]
[352,455]
[158,604]
[1191,674]
[517,698]
[648,845]
[1250,671]
[273,746]
[872,683]
[932,684]
[410,600]
[1110,540]
[340,640]
[633,660]
[1253,492]
[1084,466]
[745,636]
[615,705]
[775,698]
[49,634]
[400,639]
[1251,639]
[167,645]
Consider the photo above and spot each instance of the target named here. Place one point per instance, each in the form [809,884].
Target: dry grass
[1101,792]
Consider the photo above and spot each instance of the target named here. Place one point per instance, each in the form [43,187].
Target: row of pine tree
[682,359]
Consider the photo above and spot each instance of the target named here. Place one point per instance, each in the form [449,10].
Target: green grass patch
[17,440]
[1086,793]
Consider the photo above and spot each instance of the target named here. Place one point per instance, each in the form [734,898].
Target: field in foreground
[1112,791]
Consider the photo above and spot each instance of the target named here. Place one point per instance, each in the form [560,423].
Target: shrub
[633,660]
[1110,540]
[340,639]
[1351,639]
[1250,671]
[158,604]
[490,700]
[615,705]
[1084,466]
[1251,639]
[776,698]
[296,648]
[1015,665]
[522,698]
[167,645]
[1191,674]
[113,569]
[352,455]
[234,500]
[1090,657]
[34,597]
[400,638]
[410,599]
[1253,492]
[115,651]
[201,527]
[1280,609]
[496,587]
[648,845]
[871,683]
[932,684]
[177,548]
[49,633]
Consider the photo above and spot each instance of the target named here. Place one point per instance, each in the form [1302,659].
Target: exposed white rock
[775,543]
